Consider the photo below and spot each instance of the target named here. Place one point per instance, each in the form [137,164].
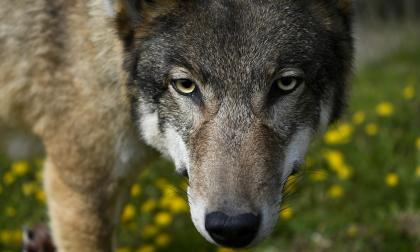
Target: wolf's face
[233,92]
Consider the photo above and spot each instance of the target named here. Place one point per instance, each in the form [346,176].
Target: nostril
[232,231]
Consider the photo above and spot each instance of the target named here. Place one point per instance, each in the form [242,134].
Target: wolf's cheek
[296,150]
[177,150]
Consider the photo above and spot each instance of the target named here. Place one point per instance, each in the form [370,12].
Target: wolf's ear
[335,14]
[134,16]
[343,6]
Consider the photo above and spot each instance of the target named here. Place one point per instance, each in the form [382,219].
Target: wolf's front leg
[82,218]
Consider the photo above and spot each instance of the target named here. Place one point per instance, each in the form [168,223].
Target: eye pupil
[187,84]
[287,81]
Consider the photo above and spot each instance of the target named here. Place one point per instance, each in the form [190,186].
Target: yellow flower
[178,205]
[128,213]
[149,231]
[5,237]
[161,183]
[162,240]
[385,109]
[332,137]
[391,179]
[29,188]
[418,143]
[371,129]
[40,196]
[359,117]
[123,250]
[10,212]
[135,190]
[286,213]
[39,176]
[343,172]
[319,175]
[334,159]
[17,236]
[184,185]
[163,219]
[8,178]
[418,171]
[290,185]
[146,248]
[335,191]
[409,92]
[341,134]
[20,168]
[352,230]
[148,206]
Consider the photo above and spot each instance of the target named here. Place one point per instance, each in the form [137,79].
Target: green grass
[368,215]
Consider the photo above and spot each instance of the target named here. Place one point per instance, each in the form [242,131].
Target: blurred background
[358,191]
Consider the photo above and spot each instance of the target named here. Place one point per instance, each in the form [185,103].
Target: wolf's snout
[232,231]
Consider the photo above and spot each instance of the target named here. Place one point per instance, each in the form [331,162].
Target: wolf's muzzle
[232,231]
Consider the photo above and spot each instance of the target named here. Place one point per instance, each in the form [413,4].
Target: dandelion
[5,236]
[8,178]
[146,248]
[335,191]
[184,185]
[359,117]
[178,205]
[352,230]
[319,175]
[409,92]
[135,190]
[162,240]
[340,135]
[391,179]
[286,213]
[343,172]
[371,129]
[149,231]
[418,171]
[148,206]
[128,213]
[161,183]
[28,189]
[384,109]
[163,219]
[20,168]
[39,176]
[332,137]
[418,143]
[10,212]
[290,185]
[334,158]
[17,236]
[40,196]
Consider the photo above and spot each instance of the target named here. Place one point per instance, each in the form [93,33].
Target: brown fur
[61,78]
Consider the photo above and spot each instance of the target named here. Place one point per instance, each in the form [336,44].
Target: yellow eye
[288,83]
[184,86]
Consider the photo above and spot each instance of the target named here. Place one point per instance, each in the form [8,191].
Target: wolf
[232,91]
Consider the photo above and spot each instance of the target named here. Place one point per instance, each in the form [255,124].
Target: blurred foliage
[358,191]
[387,10]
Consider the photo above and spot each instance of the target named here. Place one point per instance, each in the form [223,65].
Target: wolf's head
[233,91]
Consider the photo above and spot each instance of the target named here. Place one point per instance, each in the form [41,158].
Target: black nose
[232,231]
